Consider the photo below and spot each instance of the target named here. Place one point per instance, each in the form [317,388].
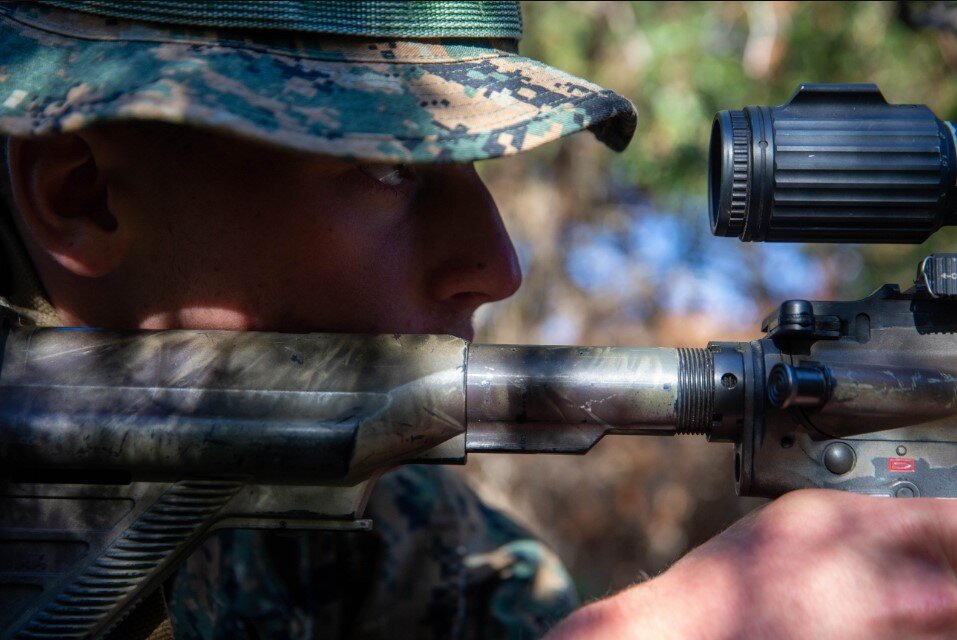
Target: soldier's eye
[391,175]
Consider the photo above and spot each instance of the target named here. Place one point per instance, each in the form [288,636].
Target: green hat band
[377,18]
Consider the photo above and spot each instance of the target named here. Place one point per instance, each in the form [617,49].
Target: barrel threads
[695,391]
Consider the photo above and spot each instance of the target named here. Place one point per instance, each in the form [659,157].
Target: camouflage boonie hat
[390,81]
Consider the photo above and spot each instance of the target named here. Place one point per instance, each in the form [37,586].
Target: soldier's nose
[473,256]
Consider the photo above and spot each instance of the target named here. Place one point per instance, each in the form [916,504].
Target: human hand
[812,564]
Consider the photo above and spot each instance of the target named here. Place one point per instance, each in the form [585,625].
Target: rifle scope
[836,163]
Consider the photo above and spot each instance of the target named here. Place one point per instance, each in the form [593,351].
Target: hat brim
[390,101]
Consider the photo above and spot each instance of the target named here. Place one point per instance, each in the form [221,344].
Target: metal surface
[892,369]
[868,398]
[121,451]
[564,399]
[164,405]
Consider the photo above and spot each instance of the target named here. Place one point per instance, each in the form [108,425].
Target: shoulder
[441,539]
[423,499]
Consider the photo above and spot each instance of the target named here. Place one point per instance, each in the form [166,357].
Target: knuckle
[813,500]
[803,511]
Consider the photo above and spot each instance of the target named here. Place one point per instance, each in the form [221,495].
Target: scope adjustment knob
[938,274]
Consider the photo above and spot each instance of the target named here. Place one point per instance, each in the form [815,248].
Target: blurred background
[616,249]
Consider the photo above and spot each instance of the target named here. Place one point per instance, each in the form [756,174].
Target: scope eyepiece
[836,163]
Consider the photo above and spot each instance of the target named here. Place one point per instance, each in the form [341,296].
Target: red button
[902,465]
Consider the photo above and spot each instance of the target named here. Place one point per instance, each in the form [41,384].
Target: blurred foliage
[616,248]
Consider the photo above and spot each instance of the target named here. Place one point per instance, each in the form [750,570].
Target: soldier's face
[221,233]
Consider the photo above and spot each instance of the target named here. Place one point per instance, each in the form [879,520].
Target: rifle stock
[122,451]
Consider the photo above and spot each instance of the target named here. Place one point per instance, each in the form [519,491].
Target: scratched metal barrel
[564,399]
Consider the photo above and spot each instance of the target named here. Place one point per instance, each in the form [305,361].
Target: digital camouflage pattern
[439,564]
[389,101]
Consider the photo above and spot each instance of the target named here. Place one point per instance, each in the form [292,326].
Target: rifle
[121,451]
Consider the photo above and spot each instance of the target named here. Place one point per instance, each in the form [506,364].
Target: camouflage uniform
[439,563]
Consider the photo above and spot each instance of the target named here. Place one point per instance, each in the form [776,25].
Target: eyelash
[394,177]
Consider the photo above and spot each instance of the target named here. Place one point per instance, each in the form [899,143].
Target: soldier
[306,167]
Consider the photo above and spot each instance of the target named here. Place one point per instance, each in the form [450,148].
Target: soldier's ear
[62,198]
